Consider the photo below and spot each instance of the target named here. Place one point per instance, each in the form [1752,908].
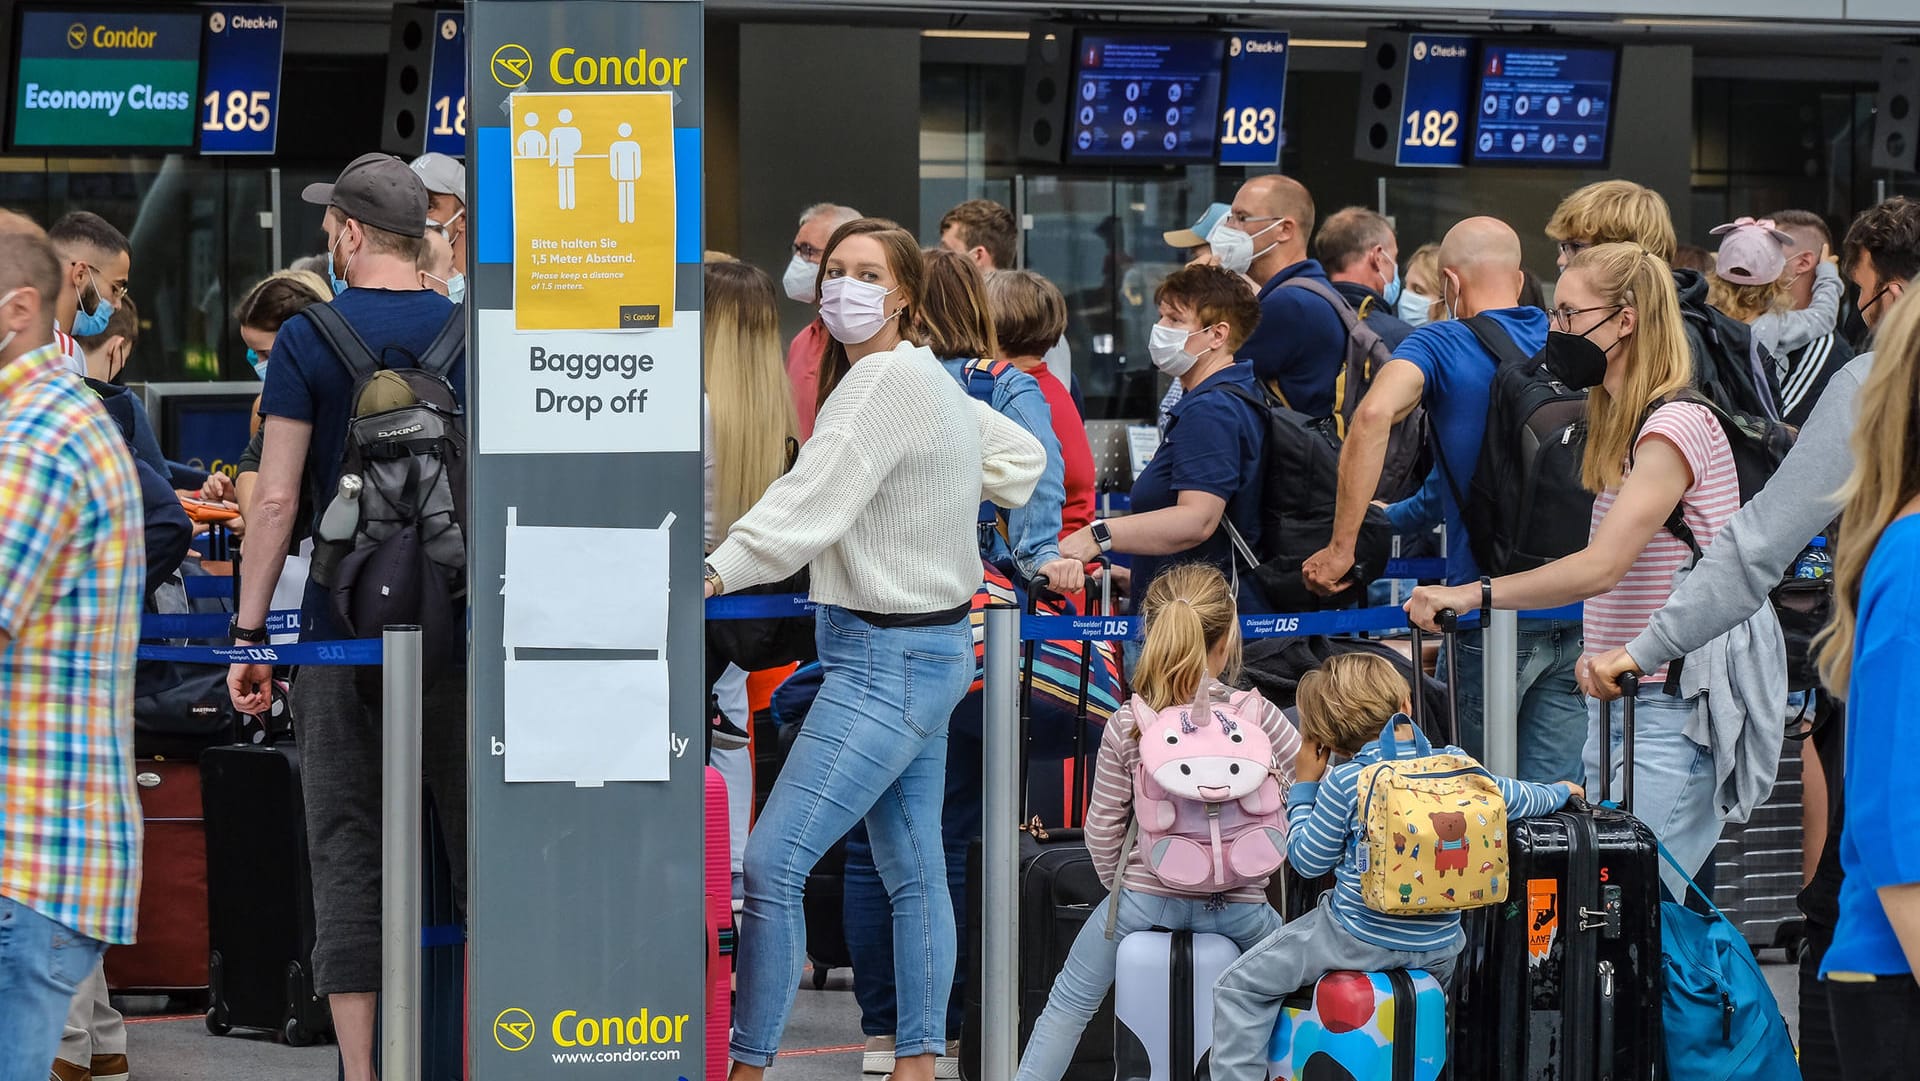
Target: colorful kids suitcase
[1366,1026]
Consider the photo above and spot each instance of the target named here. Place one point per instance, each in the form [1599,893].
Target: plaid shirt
[72,567]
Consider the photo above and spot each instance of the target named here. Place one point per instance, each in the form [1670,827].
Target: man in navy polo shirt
[1301,340]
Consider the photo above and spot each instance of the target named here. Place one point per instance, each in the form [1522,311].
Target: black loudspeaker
[1045,91]
[1383,76]
[1896,113]
[403,107]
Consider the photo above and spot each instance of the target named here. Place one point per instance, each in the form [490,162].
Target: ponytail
[1189,610]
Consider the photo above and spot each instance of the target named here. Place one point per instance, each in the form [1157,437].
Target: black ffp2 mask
[1574,360]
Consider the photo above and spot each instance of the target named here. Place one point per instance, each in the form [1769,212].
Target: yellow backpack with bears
[1433,830]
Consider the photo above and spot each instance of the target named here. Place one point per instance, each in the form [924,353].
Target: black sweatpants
[337,727]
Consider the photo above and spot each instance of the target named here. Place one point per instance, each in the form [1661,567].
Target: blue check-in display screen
[1544,105]
[1146,97]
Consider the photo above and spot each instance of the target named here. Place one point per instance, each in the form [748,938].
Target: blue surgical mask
[86,323]
[1392,292]
[338,283]
[258,363]
[457,287]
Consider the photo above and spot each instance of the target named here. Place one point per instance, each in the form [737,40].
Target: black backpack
[406,561]
[1526,506]
[1408,457]
[1300,483]
[1723,351]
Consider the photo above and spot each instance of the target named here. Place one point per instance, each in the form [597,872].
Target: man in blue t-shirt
[1301,340]
[1444,366]
[375,220]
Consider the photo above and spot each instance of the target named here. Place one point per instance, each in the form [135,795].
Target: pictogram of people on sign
[560,147]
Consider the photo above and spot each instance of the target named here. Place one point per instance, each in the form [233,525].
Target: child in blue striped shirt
[1343,706]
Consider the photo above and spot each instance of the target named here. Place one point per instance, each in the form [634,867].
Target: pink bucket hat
[1751,252]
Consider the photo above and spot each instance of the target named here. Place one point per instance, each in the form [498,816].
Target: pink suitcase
[719,926]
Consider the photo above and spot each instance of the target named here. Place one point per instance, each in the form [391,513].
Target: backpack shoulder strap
[979,377]
[448,346]
[345,342]
[1495,339]
[1355,326]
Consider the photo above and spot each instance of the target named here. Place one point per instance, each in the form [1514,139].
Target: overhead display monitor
[126,78]
[240,99]
[1145,97]
[1436,102]
[1255,95]
[447,85]
[1544,104]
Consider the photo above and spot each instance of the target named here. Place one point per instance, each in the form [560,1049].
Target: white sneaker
[878,1059]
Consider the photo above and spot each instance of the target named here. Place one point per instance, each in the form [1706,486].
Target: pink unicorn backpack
[1205,795]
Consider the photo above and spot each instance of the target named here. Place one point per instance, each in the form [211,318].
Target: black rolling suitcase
[260,892]
[1059,890]
[1562,982]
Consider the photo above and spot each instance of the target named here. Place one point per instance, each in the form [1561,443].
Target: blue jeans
[1084,980]
[1672,777]
[874,746]
[1553,715]
[868,913]
[41,964]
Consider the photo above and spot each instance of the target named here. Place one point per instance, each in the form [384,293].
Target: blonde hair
[1616,212]
[1886,476]
[1348,700]
[1189,610]
[1423,277]
[749,400]
[1656,360]
[1748,302]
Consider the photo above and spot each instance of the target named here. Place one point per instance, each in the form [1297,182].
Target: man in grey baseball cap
[446,182]
[375,205]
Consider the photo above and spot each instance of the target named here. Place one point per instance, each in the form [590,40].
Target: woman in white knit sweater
[881,505]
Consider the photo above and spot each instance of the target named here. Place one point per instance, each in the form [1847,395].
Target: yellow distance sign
[593,210]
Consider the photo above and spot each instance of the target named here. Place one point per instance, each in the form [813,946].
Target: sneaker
[109,1068]
[947,1066]
[727,736]
[67,1071]
[878,1059]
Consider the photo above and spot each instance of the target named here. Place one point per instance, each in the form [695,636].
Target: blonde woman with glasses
[1869,655]
[1648,452]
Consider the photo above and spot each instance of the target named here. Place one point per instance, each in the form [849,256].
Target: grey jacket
[1757,544]
[1738,682]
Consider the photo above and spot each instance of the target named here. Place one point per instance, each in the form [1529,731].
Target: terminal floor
[822,1040]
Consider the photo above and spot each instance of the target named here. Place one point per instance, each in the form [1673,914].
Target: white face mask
[1234,248]
[853,310]
[1413,307]
[11,334]
[1168,348]
[800,278]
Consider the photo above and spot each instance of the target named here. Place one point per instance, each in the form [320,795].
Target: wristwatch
[713,579]
[1102,536]
[1486,596]
[238,633]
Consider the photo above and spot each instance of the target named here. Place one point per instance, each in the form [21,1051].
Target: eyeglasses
[1241,217]
[1571,248]
[808,252]
[117,290]
[1563,315]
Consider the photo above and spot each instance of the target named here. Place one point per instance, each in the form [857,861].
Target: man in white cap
[446,182]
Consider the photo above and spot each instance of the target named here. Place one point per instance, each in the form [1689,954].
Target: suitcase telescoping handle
[1629,690]
[1449,622]
[1029,652]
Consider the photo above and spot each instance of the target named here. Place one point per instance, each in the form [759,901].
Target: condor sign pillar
[589,944]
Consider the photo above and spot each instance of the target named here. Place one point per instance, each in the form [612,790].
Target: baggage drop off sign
[593,210]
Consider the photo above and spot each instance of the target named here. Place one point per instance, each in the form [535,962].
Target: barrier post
[1500,731]
[1000,851]
[400,813]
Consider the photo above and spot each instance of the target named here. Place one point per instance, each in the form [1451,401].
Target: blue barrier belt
[759,606]
[208,587]
[1415,568]
[210,624]
[351,653]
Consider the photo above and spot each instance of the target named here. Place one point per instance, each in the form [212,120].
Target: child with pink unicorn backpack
[1187,817]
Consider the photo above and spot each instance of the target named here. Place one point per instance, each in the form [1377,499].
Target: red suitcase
[170,953]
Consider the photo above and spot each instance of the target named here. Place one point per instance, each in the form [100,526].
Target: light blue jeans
[1084,980]
[1672,777]
[41,964]
[1553,715]
[874,746]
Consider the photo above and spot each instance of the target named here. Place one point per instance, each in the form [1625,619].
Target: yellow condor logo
[568,68]
[513,1030]
[572,1030]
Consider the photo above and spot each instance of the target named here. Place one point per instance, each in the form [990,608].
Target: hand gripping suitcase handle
[1449,622]
[1629,691]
